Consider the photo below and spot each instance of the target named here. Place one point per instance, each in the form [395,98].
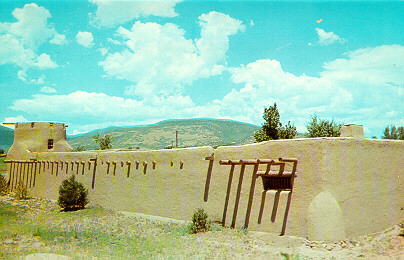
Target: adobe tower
[38,137]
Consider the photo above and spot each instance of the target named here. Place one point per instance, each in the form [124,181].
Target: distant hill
[191,132]
[6,138]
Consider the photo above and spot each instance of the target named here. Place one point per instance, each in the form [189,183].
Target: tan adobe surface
[344,187]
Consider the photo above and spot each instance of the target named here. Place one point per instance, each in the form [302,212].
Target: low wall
[344,186]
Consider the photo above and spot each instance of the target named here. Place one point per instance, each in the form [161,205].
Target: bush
[21,192]
[3,184]
[72,195]
[272,129]
[287,132]
[2,151]
[79,149]
[199,222]
[323,128]
[103,141]
[393,133]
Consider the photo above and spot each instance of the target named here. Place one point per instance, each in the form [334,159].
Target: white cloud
[17,119]
[48,90]
[215,31]
[99,107]
[22,75]
[85,39]
[20,40]
[146,61]
[32,28]
[39,81]
[59,39]
[116,42]
[44,61]
[115,12]
[328,38]
[363,88]
[103,51]
[383,64]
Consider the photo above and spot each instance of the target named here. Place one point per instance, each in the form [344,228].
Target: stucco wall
[363,179]
[34,137]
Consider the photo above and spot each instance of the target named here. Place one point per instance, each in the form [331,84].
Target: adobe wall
[367,179]
[34,137]
[345,186]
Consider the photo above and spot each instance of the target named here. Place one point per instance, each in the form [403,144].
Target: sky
[100,63]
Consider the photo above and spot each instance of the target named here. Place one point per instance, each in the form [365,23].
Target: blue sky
[98,63]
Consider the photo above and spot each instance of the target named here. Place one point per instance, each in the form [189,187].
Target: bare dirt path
[36,229]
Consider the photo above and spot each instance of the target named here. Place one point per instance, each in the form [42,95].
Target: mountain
[6,138]
[191,132]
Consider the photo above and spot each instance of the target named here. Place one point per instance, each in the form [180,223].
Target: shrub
[79,149]
[287,132]
[393,133]
[103,141]
[272,129]
[21,192]
[199,222]
[3,184]
[318,127]
[2,151]
[72,195]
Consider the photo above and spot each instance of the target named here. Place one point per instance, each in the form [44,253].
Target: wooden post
[144,167]
[208,177]
[95,168]
[107,162]
[176,138]
[128,163]
[10,173]
[226,202]
[57,167]
[240,183]
[114,163]
[250,199]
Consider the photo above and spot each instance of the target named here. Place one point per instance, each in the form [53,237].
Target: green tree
[393,133]
[72,195]
[400,131]
[272,128]
[104,142]
[318,127]
[287,132]
[79,149]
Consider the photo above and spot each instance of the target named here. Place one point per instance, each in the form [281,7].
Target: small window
[32,124]
[50,143]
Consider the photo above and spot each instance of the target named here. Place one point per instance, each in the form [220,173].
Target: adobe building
[37,137]
[321,188]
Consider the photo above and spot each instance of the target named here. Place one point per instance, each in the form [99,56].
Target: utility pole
[176,138]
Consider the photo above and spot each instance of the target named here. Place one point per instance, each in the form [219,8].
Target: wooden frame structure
[278,181]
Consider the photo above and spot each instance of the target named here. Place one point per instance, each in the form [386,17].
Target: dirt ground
[166,238]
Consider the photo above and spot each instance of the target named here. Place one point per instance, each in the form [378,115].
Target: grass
[97,232]
[13,222]
[3,165]
[80,233]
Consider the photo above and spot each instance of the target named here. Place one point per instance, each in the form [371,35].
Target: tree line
[272,128]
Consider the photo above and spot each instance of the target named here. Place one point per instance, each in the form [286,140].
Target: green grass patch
[3,165]
[13,221]
[92,232]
